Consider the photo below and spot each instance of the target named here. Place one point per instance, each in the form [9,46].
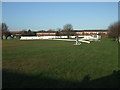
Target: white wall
[49,37]
[36,37]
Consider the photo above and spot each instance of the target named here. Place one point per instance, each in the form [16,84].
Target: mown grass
[57,60]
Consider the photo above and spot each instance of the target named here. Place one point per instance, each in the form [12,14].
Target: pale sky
[53,15]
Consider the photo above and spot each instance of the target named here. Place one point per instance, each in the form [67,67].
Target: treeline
[113,31]
[67,30]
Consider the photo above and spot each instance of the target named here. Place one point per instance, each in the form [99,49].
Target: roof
[47,31]
[15,31]
[91,30]
[56,31]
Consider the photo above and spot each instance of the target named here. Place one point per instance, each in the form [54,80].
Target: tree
[5,31]
[58,33]
[59,29]
[28,33]
[31,33]
[51,30]
[114,31]
[68,30]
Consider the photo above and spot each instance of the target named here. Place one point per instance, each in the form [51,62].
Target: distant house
[22,33]
[46,33]
[16,33]
[103,33]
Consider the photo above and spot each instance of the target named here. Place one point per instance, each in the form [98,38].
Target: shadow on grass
[17,80]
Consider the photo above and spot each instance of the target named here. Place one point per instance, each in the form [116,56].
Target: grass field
[47,63]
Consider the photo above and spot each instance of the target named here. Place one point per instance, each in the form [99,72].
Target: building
[46,33]
[103,33]
[16,33]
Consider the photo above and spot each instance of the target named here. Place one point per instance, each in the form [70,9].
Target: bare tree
[51,30]
[68,29]
[5,31]
[58,33]
[59,29]
[114,31]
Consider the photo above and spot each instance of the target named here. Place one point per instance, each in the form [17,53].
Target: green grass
[47,63]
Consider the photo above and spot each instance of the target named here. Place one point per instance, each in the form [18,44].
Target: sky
[60,0]
[52,15]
